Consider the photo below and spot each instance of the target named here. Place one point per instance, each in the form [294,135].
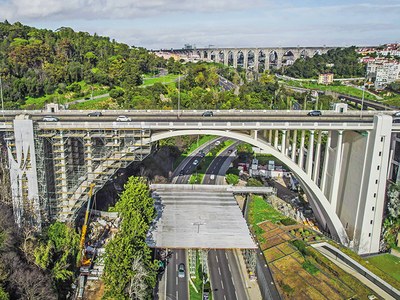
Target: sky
[165,24]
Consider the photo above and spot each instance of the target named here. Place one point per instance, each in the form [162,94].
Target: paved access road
[176,288]
[226,282]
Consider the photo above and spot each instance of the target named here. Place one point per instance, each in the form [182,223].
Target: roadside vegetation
[129,271]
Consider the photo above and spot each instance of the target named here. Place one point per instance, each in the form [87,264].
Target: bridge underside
[198,217]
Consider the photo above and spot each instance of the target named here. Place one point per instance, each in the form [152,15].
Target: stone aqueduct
[257,59]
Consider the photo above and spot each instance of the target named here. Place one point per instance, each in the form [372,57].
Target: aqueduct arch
[322,208]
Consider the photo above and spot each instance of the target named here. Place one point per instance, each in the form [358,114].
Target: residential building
[383,72]
[326,78]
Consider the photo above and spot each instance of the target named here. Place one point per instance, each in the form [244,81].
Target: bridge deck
[200,219]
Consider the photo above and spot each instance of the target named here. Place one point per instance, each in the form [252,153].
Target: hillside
[341,62]
[37,62]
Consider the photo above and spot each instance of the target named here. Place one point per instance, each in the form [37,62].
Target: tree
[129,270]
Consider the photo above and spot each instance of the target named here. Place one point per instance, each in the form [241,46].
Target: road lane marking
[219,271]
[216,257]
[176,280]
[222,283]
[224,297]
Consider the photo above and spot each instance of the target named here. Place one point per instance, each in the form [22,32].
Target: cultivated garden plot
[299,270]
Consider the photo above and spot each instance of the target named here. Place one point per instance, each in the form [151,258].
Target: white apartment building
[383,72]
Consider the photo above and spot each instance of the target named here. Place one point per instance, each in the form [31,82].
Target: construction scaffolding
[66,162]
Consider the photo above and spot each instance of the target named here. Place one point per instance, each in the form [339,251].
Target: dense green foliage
[20,278]
[391,223]
[57,252]
[345,64]
[35,62]
[129,271]
[232,179]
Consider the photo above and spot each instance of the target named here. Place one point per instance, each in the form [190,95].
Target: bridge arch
[318,201]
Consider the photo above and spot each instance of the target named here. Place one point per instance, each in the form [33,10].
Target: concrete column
[336,170]
[267,53]
[294,146]
[317,158]
[310,153]
[245,59]
[235,59]
[287,144]
[226,57]
[270,136]
[283,142]
[276,139]
[326,161]
[255,134]
[256,60]
[301,155]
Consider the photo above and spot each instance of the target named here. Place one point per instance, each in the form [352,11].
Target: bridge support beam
[336,171]
[301,154]
[283,142]
[317,158]
[294,145]
[310,153]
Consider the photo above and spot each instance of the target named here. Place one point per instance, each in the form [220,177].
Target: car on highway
[229,151]
[208,113]
[195,162]
[201,153]
[123,119]
[182,172]
[181,270]
[95,114]
[314,113]
[212,177]
[50,119]
[217,143]
[396,114]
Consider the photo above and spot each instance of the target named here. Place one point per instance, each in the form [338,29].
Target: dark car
[208,113]
[95,114]
[182,172]
[314,113]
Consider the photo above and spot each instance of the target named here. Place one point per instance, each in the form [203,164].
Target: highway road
[196,116]
[221,276]
[176,288]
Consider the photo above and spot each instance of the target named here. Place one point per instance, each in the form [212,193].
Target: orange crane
[86,261]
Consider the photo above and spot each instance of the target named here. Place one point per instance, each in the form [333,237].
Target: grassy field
[90,104]
[260,211]
[388,263]
[65,97]
[148,80]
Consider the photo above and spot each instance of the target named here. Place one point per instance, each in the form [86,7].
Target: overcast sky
[158,24]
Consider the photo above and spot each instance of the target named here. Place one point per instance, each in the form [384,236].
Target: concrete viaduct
[341,159]
[258,59]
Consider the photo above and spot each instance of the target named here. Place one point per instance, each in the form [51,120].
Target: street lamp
[362,100]
[179,94]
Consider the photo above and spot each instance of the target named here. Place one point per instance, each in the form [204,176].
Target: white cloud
[109,9]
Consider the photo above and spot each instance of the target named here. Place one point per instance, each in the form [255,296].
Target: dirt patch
[94,290]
